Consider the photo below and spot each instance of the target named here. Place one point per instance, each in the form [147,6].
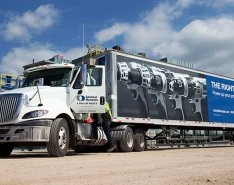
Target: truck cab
[51,107]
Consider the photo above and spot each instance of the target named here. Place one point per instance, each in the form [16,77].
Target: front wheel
[5,150]
[59,138]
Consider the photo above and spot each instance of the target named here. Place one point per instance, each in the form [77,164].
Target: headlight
[35,114]
[26,100]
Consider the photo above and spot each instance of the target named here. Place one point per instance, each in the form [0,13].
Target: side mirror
[83,75]
[19,81]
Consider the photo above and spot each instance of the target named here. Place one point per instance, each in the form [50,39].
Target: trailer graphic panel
[151,90]
[220,97]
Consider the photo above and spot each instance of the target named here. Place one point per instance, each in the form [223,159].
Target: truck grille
[9,107]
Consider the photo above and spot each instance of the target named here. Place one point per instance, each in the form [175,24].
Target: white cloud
[22,27]
[74,53]
[184,3]
[217,3]
[14,61]
[110,33]
[206,43]
[154,27]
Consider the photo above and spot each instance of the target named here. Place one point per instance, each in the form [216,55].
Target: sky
[200,32]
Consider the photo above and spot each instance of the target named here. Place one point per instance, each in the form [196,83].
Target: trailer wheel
[127,142]
[59,138]
[139,141]
[5,150]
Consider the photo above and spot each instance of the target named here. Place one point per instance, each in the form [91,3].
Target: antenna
[83,42]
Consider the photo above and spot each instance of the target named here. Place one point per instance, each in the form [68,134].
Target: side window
[94,77]
[77,84]
[74,74]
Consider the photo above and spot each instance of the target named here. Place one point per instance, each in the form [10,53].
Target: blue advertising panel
[220,94]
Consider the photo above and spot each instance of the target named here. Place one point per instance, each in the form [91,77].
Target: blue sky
[196,31]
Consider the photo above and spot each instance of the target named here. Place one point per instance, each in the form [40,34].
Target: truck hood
[32,90]
[47,94]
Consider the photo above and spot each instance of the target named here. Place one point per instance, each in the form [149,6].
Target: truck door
[89,97]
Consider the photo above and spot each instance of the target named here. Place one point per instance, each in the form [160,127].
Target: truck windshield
[58,77]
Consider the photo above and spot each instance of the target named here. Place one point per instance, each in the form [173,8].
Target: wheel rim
[62,137]
[142,141]
[129,140]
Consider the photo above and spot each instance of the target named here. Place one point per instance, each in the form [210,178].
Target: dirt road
[171,166]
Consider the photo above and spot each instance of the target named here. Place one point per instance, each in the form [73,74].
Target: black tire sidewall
[123,144]
[137,141]
[53,145]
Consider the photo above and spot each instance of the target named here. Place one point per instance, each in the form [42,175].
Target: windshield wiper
[40,104]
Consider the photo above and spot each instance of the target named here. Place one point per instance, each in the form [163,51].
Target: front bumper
[28,131]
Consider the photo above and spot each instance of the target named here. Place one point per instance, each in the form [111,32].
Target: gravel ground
[163,166]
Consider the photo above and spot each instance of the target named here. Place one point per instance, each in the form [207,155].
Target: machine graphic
[165,87]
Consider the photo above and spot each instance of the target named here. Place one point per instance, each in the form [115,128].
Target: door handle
[102,100]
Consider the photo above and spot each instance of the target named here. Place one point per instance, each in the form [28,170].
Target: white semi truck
[184,106]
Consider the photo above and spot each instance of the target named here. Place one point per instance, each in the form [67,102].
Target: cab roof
[42,66]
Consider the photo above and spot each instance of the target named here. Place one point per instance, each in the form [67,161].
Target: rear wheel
[5,150]
[59,138]
[127,142]
[139,140]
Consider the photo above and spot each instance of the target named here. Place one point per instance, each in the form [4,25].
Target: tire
[139,141]
[127,142]
[5,150]
[59,138]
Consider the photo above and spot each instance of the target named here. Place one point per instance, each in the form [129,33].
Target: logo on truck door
[81,98]
[88,100]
